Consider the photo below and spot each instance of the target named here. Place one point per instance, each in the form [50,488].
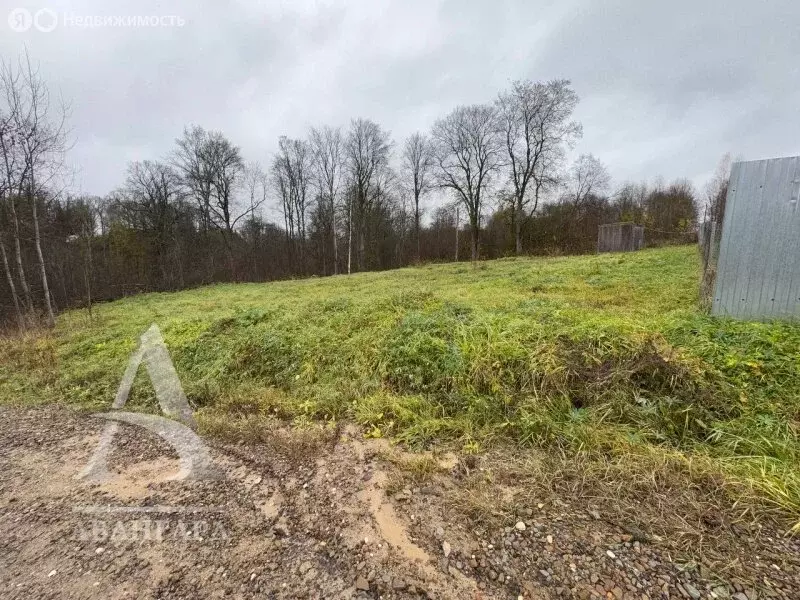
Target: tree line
[492,178]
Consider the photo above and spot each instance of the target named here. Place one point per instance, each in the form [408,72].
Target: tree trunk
[349,235]
[23,281]
[232,263]
[227,237]
[361,246]
[87,273]
[518,232]
[302,232]
[88,283]
[333,230]
[416,226]
[51,319]
[253,253]
[457,223]
[10,279]
[178,260]
[474,242]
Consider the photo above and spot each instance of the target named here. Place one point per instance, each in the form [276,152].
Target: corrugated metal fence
[758,273]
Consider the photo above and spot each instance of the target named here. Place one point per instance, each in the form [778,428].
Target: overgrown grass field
[604,355]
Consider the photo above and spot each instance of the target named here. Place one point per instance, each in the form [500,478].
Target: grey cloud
[665,88]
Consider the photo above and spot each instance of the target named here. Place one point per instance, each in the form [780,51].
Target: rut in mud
[312,516]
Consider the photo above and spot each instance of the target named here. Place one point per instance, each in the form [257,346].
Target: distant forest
[348,199]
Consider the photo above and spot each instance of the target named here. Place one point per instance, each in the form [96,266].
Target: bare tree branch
[534,122]
[418,162]
[468,156]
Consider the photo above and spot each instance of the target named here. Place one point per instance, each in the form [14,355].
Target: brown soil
[329,515]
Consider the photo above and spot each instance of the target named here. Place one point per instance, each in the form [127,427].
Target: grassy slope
[600,354]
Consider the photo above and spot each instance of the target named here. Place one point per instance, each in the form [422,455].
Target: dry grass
[295,445]
[683,504]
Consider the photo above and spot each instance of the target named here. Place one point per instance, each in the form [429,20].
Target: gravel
[291,533]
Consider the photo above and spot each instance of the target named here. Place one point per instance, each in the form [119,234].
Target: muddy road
[322,514]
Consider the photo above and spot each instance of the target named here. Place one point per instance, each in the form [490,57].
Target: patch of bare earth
[329,515]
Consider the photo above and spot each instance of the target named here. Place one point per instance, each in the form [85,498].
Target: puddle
[55,473]
[390,527]
[393,532]
[133,482]
[271,507]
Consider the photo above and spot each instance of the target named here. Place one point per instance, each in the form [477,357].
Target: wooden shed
[620,237]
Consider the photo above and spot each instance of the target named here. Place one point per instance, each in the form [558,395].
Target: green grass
[599,354]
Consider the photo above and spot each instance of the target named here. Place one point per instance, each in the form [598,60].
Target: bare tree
[282,183]
[401,223]
[6,187]
[328,148]
[350,193]
[88,210]
[630,201]
[13,198]
[192,159]
[39,139]
[367,150]
[418,162]
[226,166]
[256,184]
[11,85]
[291,174]
[149,203]
[716,197]
[588,176]
[457,227]
[12,287]
[534,121]
[151,191]
[468,155]
[211,168]
[717,191]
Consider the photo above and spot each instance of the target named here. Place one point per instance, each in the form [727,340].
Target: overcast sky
[666,87]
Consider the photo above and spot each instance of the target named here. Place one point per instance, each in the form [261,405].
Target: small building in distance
[620,237]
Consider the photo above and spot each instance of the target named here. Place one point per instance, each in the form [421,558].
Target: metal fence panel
[758,273]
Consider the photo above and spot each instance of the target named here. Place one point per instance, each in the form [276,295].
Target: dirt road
[315,515]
